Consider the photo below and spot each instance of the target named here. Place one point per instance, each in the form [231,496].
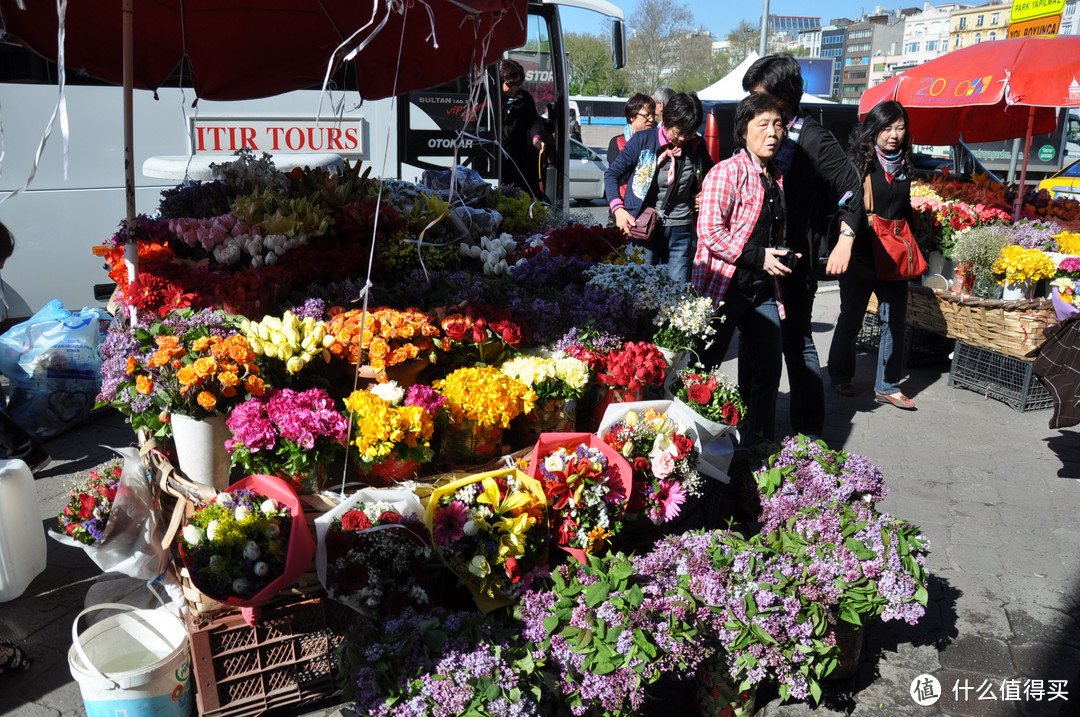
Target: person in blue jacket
[665,166]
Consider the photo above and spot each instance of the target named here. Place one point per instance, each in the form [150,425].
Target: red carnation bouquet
[636,365]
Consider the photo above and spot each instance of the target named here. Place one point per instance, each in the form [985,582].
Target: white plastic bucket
[134,663]
[22,536]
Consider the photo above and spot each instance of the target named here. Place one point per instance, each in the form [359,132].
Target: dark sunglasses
[512,83]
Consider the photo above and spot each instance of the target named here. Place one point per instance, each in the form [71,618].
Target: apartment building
[972,25]
[874,36]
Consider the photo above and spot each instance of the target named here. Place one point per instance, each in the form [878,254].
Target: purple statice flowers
[1035,234]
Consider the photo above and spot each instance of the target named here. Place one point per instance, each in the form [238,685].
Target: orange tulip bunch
[389,336]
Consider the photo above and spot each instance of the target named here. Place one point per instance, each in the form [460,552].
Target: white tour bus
[57,222]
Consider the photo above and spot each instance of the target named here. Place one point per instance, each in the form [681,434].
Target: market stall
[454,459]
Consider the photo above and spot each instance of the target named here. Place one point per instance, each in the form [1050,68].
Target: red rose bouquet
[662,454]
[636,365]
[476,334]
[374,552]
[89,504]
[712,395]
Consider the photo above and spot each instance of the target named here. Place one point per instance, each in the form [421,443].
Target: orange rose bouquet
[196,364]
[389,336]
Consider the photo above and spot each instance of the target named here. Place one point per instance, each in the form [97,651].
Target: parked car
[587,167]
[1065,183]
[961,162]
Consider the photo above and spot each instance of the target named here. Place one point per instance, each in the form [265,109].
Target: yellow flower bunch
[1020,265]
[382,430]
[289,339]
[557,376]
[1068,242]
[921,189]
[485,395]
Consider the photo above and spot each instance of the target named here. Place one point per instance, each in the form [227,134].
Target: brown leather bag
[896,253]
[644,224]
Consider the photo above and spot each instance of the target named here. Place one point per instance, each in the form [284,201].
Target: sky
[720,17]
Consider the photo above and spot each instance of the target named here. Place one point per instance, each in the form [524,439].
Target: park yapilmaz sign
[1028,10]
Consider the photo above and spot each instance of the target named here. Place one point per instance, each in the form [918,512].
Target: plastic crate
[290,657]
[1003,378]
[921,347]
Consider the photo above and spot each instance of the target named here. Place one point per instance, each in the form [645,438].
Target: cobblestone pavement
[994,489]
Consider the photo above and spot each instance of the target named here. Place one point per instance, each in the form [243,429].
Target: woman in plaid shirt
[741,255]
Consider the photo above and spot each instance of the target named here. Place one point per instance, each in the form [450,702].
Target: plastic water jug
[22,535]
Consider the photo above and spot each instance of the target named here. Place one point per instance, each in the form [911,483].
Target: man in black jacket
[819,182]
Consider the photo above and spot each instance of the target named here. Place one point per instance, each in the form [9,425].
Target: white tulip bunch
[492,252]
[294,341]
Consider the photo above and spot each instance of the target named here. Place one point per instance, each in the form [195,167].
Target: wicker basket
[1010,328]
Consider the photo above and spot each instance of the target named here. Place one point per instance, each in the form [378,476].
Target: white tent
[730,88]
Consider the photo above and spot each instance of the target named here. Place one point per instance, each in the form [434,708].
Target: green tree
[743,40]
[656,46]
[588,65]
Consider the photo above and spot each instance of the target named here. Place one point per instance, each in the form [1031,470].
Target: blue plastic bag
[53,360]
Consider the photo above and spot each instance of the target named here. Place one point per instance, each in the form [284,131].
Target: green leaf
[550,623]
[596,593]
[635,596]
[603,668]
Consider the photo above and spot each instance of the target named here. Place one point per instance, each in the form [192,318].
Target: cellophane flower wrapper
[499,589]
[550,442]
[131,540]
[401,500]
[714,449]
[299,551]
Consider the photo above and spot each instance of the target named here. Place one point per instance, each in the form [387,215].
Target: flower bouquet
[293,435]
[587,485]
[480,403]
[716,407]
[491,530]
[289,342]
[248,543]
[625,373]
[389,337]
[111,516]
[1066,298]
[1023,267]
[559,381]
[660,446]
[477,334]
[373,552]
[392,430]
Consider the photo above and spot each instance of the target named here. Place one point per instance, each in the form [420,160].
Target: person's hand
[697,201]
[624,220]
[839,257]
[538,143]
[773,266]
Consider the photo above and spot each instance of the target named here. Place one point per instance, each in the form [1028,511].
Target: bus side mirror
[618,44]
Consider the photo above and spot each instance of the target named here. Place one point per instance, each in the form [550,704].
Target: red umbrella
[989,91]
[245,49]
[239,49]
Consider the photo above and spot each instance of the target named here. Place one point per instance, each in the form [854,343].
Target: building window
[879,67]
[979,21]
[963,23]
[935,27]
[994,18]
[978,38]
[993,36]
[850,89]
[931,45]
[958,43]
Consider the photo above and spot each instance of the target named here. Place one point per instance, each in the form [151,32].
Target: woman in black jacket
[882,154]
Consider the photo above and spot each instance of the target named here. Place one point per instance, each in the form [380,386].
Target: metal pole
[1023,166]
[763,45]
[1011,177]
[131,249]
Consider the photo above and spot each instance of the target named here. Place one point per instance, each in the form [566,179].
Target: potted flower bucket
[388,472]
[717,694]
[470,443]
[850,640]
[310,483]
[405,373]
[614,394]
[200,449]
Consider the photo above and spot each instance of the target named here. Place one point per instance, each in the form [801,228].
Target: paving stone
[971,511]
[19,708]
[922,512]
[1048,661]
[983,618]
[1041,598]
[972,559]
[977,534]
[983,656]
[974,491]
[1040,625]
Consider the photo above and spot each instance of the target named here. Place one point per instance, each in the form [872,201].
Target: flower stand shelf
[1010,328]
[1003,378]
